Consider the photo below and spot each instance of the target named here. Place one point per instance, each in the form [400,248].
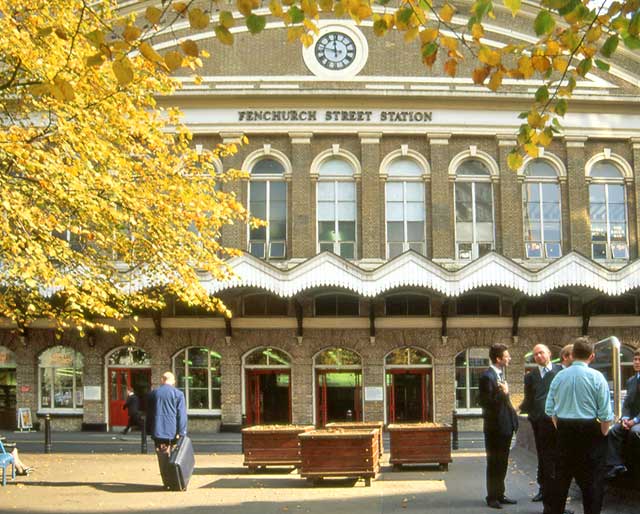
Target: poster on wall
[24,419]
[373,394]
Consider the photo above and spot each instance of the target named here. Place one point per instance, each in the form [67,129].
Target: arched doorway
[127,367]
[267,386]
[7,389]
[409,380]
[338,373]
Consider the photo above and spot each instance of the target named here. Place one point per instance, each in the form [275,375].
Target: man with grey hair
[166,420]
[536,389]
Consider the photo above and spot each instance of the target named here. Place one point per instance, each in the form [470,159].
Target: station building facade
[400,245]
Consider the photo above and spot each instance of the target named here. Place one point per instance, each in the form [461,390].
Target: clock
[335,50]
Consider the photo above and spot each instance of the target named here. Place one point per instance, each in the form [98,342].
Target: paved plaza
[86,478]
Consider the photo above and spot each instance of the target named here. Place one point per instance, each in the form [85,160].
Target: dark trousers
[545,435]
[135,421]
[582,451]
[616,440]
[164,447]
[497,447]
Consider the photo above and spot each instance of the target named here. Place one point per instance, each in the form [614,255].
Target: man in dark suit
[132,406]
[500,423]
[536,388]
[166,420]
[629,425]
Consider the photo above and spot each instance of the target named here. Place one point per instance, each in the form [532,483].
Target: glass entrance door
[268,396]
[408,393]
[7,398]
[339,396]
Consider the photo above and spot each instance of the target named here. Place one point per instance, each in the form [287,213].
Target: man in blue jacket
[166,419]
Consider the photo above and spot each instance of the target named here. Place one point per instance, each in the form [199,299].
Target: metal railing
[614,342]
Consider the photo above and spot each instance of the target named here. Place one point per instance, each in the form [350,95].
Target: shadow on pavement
[109,487]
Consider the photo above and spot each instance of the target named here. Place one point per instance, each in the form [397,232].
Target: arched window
[541,209]
[474,210]
[198,376]
[337,305]
[60,377]
[530,363]
[608,212]
[264,304]
[407,305]
[268,201]
[128,357]
[470,364]
[407,356]
[267,386]
[267,357]
[336,208]
[337,358]
[405,207]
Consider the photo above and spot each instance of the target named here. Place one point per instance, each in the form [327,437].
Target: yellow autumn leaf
[545,137]
[276,8]
[531,149]
[411,34]
[66,89]
[226,19]
[245,6]
[223,35]
[189,47]
[446,12]
[525,67]
[553,48]
[326,5]
[306,40]
[179,7]
[153,14]
[479,75]
[451,67]
[198,19]
[540,63]
[496,80]
[294,33]
[123,71]
[173,60]
[149,53]
[488,56]
[560,64]
[514,160]
[131,33]
[449,43]
[429,35]
[477,31]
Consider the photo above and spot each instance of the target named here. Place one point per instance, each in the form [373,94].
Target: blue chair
[5,460]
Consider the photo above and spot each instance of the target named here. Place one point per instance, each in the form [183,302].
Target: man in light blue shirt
[578,403]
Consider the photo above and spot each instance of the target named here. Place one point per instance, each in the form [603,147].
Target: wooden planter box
[362,425]
[420,443]
[338,452]
[272,445]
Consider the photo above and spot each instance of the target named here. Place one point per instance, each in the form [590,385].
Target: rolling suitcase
[180,466]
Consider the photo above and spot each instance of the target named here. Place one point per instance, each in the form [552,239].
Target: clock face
[335,51]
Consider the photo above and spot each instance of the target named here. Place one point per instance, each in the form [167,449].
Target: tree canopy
[107,205]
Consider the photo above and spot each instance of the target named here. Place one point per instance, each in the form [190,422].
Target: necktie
[543,372]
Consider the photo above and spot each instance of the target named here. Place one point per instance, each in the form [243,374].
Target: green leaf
[544,23]
[632,42]
[542,94]
[602,65]
[514,160]
[297,15]
[610,45]
[382,2]
[523,115]
[634,25]
[584,67]
[481,8]
[512,5]
[405,14]
[429,49]
[568,7]
[256,23]
[561,107]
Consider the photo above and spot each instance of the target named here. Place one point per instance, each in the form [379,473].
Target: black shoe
[615,471]
[494,504]
[505,500]
[567,511]
[537,497]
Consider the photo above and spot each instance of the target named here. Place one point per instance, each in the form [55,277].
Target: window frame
[406,245]
[74,391]
[473,179]
[210,410]
[269,179]
[467,409]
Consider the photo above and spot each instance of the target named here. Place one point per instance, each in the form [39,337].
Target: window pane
[394,192]
[346,211]
[617,212]
[404,167]
[326,230]
[346,231]
[277,211]
[598,232]
[278,230]
[415,211]
[414,191]
[395,231]
[258,209]
[463,212]
[533,211]
[326,211]
[415,231]
[484,212]
[484,231]
[619,251]
[463,191]
[464,231]
[552,232]
[257,250]
[472,167]
[532,232]
[553,250]
[551,193]
[484,249]
[267,166]
[483,192]
[258,234]
[616,193]
[599,251]
[605,169]
[464,251]
[336,167]
[258,191]
[326,191]
[198,399]
[346,191]
[277,250]
[596,193]
[618,232]
[395,249]
[540,168]
[551,211]
[418,247]
[395,211]
[532,192]
[278,191]
[326,247]
[534,250]
[347,250]
[63,388]
[45,387]
[598,212]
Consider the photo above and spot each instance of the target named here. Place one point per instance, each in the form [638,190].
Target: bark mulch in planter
[339,452]
[272,445]
[361,425]
[420,443]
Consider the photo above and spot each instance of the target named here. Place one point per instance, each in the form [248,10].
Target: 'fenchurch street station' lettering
[335,116]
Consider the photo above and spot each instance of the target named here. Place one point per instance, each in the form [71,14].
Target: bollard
[349,415]
[47,433]
[143,436]
[454,441]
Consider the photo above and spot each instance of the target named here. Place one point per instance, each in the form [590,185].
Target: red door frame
[391,397]
[321,413]
[117,415]
[253,392]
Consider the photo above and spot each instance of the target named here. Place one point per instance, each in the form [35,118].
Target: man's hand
[504,387]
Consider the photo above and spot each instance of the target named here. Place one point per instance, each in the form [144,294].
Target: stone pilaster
[511,239]
[633,197]
[234,236]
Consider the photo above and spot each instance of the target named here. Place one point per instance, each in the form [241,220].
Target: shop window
[616,305]
[337,357]
[407,305]
[337,305]
[129,356]
[269,357]
[470,364]
[551,304]
[60,376]
[264,305]
[198,376]
[408,356]
[478,305]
